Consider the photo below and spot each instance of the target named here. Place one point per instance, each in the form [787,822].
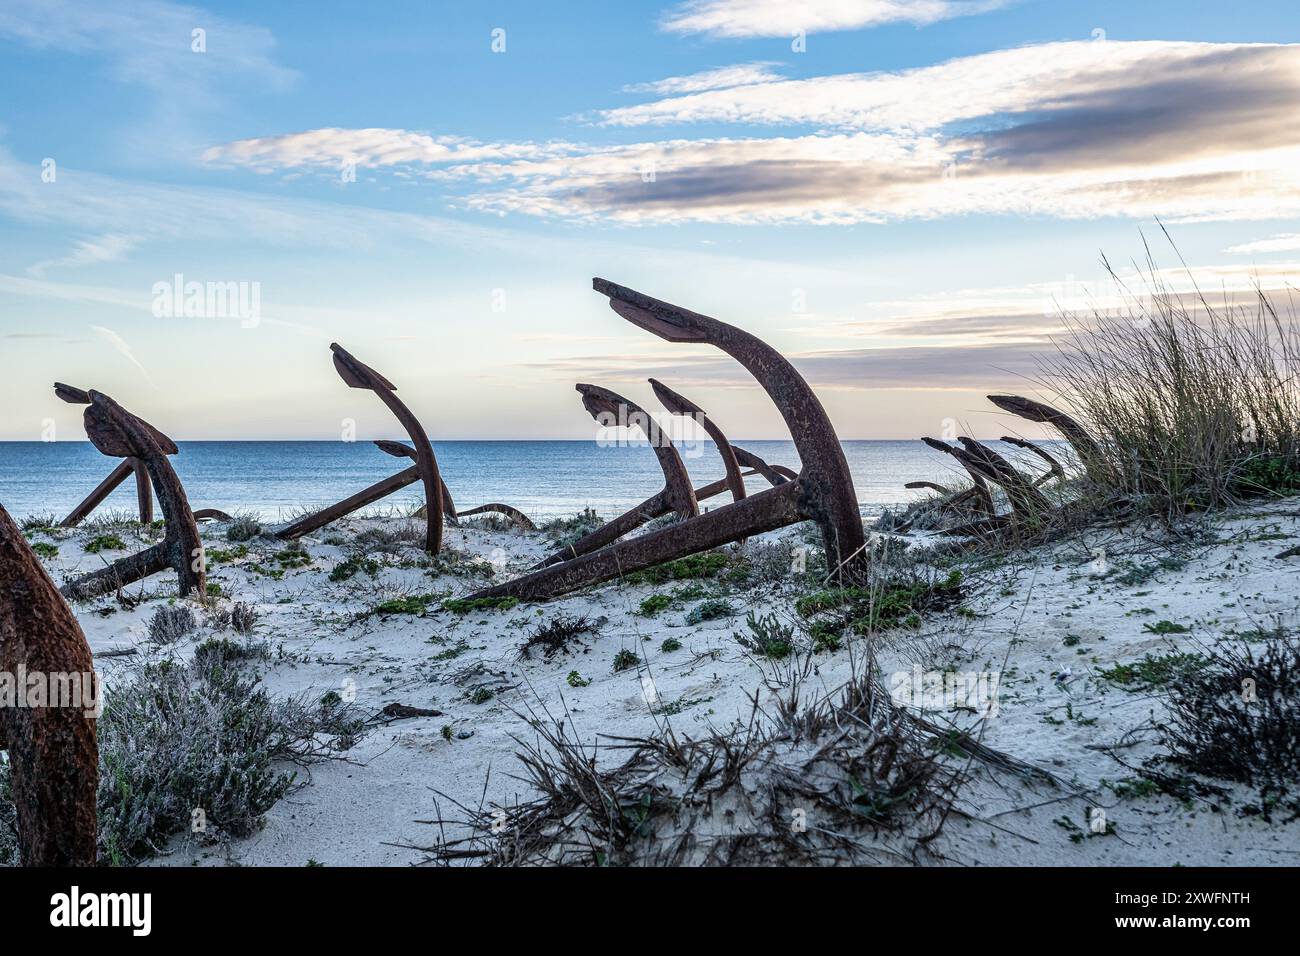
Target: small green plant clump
[243,527]
[768,636]
[710,610]
[1165,627]
[576,680]
[625,659]
[706,564]
[104,542]
[412,604]
[169,624]
[670,644]
[654,604]
[1152,670]
[880,606]
[465,605]
[348,568]
[45,550]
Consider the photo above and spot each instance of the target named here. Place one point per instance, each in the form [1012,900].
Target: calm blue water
[542,478]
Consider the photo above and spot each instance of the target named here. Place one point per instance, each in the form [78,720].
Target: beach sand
[1085,605]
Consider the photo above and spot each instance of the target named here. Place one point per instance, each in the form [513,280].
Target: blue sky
[899,194]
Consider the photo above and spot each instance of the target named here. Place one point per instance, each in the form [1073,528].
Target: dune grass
[1194,402]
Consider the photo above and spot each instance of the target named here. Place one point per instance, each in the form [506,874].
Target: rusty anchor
[676,496]
[355,374]
[679,404]
[53,753]
[1054,467]
[119,434]
[1085,447]
[660,504]
[822,492]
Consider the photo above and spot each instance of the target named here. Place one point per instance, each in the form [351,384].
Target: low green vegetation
[348,568]
[465,605]
[1165,627]
[624,660]
[768,636]
[104,542]
[884,605]
[710,610]
[46,551]
[1152,670]
[706,564]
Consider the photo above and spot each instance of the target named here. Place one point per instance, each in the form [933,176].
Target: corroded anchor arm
[124,470]
[514,514]
[1084,445]
[930,485]
[1054,467]
[399,450]
[825,481]
[119,434]
[822,492]
[677,495]
[775,474]
[983,497]
[1027,502]
[53,753]
[679,404]
[356,374]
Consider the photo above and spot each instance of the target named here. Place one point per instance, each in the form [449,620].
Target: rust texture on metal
[822,492]
[983,497]
[677,495]
[356,374]
[679,404]
[1027,502]
[53,753]
[119,434]
[1085,447]
[520,519]
[826,483]
[930,485]
[1054,467]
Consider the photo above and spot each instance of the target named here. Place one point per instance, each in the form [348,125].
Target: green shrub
[625,659]
[768,636]
[710,610]
[47,551]
[654,604]
[104,542]
[348,568]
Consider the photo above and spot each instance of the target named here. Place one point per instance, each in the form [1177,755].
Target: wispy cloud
[1284,242]
[780,18]
[119,345]
[151,44]
[1187,131]
[106,248]
[721,78]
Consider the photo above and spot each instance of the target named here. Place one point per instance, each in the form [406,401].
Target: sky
[902,196]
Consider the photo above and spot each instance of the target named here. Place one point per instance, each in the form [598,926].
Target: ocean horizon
[280,479]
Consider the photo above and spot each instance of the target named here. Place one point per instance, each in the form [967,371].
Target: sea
[279,480]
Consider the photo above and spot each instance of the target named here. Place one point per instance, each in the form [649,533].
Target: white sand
[354,812]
